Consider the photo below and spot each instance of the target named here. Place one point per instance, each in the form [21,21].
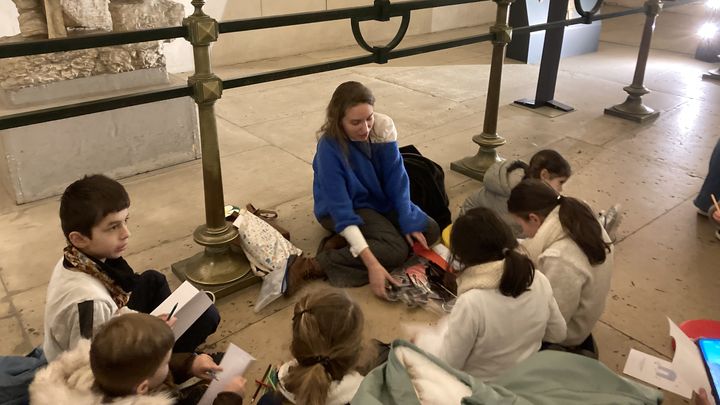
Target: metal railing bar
[604,16]
[298,71]
[90,107]
[37,47]
[361,13]
[438,46]
[94,106]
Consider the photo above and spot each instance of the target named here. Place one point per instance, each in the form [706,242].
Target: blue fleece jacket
[375,180]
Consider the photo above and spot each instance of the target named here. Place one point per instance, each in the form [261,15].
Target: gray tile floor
[666,254]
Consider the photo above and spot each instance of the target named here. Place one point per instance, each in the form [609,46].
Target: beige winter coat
[69,381]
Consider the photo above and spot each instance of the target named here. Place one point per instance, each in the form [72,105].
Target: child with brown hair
[567,244]
[328,347]
[505,308]
[92,282]
[128,362]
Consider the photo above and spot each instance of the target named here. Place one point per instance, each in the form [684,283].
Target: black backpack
[427,185]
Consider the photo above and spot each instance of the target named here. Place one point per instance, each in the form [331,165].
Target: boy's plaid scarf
[82,263]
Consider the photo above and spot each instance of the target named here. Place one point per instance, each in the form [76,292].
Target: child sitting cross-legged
[505,308]
[329,349]
[130,361]
[92,282]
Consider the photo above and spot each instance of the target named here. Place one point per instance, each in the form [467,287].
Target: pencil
[717,207]
[257,391]
[172,311]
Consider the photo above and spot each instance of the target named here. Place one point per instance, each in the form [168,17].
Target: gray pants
[385,241]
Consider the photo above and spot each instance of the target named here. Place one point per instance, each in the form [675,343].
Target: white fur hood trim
[69,381]
[484,276]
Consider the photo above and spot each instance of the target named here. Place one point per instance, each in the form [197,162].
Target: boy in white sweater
[92,282]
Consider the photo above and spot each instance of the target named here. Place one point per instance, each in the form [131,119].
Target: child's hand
[716,216]
[700,398]
[204,367]
[170,322]
[236,385]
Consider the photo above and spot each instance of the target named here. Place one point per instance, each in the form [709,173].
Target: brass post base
[633,108]
[712,74]
[476,166]
[220,271]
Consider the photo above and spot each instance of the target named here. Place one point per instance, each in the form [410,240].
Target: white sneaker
[702,212]
[612,219]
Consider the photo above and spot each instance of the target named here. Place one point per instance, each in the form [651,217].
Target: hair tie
[505,252]
[299,314]
[313,360]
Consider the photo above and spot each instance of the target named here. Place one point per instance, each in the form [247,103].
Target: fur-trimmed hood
[69,381]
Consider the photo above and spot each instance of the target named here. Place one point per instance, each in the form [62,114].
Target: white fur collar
[482,276]
[549,232]
[384,129]
[340,393]
[68,380]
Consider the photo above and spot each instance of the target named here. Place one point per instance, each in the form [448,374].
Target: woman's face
[530,225]
[358,121]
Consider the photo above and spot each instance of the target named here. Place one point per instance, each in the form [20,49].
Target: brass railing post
[633,108]
[218,268]
[489,140]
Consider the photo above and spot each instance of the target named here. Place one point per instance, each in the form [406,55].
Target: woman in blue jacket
[362,193]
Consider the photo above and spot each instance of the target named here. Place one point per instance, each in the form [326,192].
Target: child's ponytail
[519,164]
[309,384]
[518,274]
[582,226]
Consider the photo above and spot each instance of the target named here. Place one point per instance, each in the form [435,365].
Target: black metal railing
[381,11]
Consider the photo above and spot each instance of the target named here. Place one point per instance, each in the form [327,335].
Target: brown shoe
[332,242]
[303,268]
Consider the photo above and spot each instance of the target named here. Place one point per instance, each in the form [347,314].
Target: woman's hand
[416,236]
[377,275]
[204,367]
[236,385]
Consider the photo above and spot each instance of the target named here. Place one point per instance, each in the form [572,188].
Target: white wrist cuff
[355,239]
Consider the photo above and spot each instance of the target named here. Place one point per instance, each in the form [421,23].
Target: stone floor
[666,254]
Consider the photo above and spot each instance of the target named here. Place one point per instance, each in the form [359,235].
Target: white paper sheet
[235,362]
[685,374]
[191,304]
[657,372]
[687,361]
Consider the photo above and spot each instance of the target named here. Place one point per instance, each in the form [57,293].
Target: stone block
[133,15]
[36,70]
[87,14]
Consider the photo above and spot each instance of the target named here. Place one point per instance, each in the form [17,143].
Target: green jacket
[546,378]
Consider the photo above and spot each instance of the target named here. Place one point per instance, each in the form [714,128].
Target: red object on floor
[700,328]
